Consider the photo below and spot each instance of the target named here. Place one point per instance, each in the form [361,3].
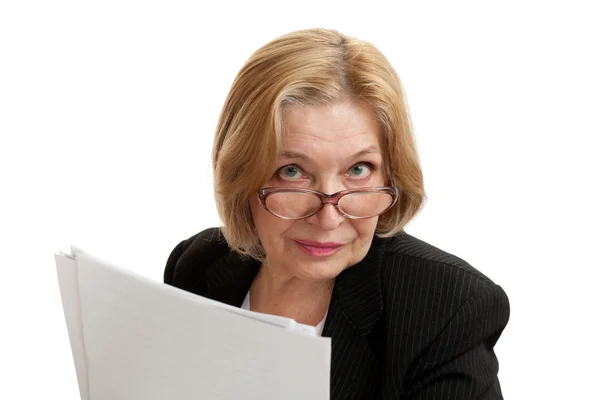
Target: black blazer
[408,322]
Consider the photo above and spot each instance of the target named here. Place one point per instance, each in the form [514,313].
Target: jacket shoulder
[405,249]
[424,283]
[207,246]
[443,315]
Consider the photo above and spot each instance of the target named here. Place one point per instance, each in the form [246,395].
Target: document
[136,339]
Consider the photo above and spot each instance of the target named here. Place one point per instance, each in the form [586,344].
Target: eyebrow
[295,154]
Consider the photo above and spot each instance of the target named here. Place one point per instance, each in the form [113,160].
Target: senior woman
[316,174]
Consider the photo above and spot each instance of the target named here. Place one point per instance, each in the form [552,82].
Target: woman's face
[328,148]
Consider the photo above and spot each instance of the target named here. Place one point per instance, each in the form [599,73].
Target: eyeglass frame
[325,198]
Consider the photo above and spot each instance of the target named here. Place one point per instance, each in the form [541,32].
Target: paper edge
[68,282]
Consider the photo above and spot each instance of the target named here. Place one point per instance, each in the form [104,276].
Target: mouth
[318,249]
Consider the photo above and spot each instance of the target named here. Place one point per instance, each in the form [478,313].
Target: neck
[276,293]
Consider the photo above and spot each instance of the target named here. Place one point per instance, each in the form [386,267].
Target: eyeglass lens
[300,205]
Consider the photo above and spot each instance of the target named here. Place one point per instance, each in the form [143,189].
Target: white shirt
[318,328]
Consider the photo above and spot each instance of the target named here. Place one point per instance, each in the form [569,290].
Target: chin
[322,268]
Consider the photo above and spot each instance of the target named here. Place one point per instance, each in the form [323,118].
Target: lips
[318,249]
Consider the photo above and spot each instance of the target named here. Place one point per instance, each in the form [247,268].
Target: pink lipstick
[318,249]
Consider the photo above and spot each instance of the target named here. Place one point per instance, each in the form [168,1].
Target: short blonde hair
[308,67]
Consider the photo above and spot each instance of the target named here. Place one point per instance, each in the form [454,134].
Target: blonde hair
[308,67]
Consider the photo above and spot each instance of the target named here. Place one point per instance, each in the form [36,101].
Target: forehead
[341,126]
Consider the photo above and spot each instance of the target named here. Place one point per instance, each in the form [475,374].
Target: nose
[327,218]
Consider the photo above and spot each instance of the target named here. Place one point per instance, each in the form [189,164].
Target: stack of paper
[133,338]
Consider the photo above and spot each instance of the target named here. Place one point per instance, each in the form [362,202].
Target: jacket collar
[228,280]
[357,292]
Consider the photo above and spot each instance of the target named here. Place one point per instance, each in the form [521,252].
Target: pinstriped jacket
[408,322]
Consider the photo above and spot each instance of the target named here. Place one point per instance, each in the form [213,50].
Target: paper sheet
[133,338]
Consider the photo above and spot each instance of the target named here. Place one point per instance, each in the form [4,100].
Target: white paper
[133,338]
[69,291]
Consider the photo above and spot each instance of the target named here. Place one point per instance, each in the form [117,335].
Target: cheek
[366,227]
[269,227]
[366,231]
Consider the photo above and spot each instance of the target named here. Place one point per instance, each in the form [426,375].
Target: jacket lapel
[355,308]
[229,279]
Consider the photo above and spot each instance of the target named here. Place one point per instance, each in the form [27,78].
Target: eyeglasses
[288,203]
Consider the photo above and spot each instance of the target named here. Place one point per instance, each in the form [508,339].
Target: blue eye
[290,172]
[360,170]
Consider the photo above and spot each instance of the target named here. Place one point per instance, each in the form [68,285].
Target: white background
[108,108]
